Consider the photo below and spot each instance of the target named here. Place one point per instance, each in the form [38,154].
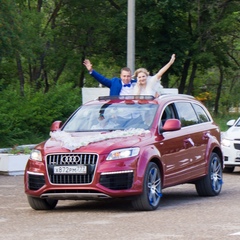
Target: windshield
[111,117]
[238,123]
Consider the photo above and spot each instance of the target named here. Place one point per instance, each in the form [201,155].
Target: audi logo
[70,159]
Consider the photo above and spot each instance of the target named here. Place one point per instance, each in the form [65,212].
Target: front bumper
[106,180]
[231,154]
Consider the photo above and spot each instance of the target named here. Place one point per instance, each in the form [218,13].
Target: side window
[186,113]
[202,115]
[168,113]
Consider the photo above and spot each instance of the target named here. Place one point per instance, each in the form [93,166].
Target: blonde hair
[139,70]
[137,89]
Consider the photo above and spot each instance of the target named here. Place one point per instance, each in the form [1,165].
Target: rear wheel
[152,190]
[211,184]
[42,204]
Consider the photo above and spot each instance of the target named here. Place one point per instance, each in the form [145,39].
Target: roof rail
[176,94]
[127,97]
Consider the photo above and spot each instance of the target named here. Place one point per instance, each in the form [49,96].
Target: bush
[222,119]
[25,120]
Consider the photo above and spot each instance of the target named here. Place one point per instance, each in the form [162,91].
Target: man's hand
[88,65]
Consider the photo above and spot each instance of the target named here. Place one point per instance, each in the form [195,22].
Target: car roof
[141,99]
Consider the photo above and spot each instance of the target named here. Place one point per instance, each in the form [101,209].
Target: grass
[222,119]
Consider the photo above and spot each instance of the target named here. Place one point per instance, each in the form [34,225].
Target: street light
[131,35]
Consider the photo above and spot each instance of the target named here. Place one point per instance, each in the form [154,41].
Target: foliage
[222,119]
[28,119]
[43,45]
[18,150]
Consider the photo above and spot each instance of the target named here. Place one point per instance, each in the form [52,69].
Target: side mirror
[171,125]
[56,126]
[230,122]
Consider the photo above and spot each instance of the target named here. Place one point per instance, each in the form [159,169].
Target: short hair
[139,70]
[126,69]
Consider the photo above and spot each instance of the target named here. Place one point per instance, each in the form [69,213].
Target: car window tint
[237,124]
[112,117]
[202,115]
[168,113]
[186,113]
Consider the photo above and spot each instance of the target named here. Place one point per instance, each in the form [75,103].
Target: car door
[195,139]
[181,150]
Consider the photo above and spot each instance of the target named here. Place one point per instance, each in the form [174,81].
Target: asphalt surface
[182,215]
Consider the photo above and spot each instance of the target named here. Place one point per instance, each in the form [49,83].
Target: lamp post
[131,35]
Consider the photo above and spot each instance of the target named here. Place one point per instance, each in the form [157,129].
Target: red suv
[127,147]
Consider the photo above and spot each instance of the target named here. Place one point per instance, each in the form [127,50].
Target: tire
[228,169]
[42,204]
[152,190]
[211,184]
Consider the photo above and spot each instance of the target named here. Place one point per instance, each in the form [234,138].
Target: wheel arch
[150,154]
[158,162]
[218,151]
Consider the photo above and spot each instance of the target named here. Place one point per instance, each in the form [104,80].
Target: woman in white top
[146,85]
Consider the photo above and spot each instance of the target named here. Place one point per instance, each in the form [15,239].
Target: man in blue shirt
[118,86]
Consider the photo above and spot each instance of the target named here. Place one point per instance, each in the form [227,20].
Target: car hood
[232,133]
[97,142]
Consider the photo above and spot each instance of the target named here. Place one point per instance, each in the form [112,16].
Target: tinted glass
[238,123]
[202,115]
[168,113]
[186,113]
[112,117]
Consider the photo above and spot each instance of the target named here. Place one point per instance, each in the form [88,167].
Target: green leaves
[50,39]
[28,119]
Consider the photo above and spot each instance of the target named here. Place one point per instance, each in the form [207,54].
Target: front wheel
[42,204]
[211,184]
[152,190]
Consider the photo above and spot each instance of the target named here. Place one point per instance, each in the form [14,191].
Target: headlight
[36,155]
[226,142]
[123,153]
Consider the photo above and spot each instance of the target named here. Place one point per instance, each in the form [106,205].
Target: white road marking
[235,234]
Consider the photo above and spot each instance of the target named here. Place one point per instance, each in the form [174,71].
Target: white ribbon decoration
[72,142]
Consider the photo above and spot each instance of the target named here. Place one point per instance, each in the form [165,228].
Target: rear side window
[186,114]
[202,115]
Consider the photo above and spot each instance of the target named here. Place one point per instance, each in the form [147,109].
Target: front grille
[237,146]
[120,181]
[35,182]
[90,160]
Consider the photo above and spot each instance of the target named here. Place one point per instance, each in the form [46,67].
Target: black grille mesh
[35,182]
[90,160]
[120,181]
[237,146]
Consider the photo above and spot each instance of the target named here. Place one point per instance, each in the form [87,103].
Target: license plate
[77,169]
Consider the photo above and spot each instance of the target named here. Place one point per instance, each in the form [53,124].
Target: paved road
[181,215]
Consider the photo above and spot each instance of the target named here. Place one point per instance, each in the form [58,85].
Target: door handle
[187,141]
[206,135]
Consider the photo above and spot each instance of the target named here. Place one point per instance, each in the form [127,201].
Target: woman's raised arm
[166,67]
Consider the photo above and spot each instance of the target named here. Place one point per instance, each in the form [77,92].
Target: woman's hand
[172,59]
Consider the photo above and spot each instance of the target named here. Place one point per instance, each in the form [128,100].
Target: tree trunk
[45,78]
[218,90]
[59,71]
[190,89]
[20,74]
[81,78]
[184,75]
